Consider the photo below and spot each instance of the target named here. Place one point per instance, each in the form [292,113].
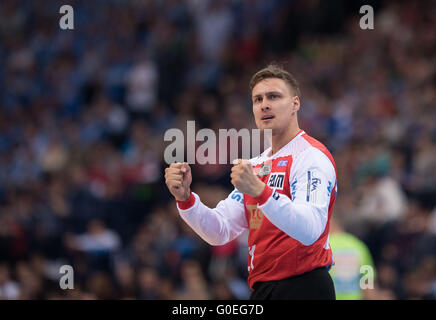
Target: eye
[273,96]
[258,99]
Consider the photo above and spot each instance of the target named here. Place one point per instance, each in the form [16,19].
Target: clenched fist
[244,179]
[178,179]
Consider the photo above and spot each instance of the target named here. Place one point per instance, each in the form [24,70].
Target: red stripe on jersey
[264,196]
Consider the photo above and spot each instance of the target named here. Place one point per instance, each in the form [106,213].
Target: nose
[265,106]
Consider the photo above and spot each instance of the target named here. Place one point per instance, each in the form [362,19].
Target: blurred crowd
[83,114]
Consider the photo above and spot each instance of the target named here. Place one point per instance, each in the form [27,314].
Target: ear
[295,104]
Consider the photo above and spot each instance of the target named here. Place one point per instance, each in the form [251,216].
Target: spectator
[353,271]
[9,289]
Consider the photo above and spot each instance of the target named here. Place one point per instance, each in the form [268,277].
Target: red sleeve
[264,196]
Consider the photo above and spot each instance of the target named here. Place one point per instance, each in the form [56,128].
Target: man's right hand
[178,179]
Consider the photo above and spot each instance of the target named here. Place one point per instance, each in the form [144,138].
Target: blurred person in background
[353,272]
[194,284]
[405,250]
[100,286]
[98,245]
[148,283]
[9,289]
[124,280]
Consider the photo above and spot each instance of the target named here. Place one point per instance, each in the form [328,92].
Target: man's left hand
[244,179]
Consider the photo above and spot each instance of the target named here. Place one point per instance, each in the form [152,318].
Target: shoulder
[313,158]
[317,148]
[302,146]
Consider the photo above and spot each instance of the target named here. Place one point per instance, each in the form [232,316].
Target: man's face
[274,104]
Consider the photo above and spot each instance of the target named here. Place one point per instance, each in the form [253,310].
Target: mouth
[267,117]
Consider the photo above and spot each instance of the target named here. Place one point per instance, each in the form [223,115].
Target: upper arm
[312,179]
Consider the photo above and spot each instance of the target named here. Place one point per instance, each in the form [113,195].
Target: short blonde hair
[275,71]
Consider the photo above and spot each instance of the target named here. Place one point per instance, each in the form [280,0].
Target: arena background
[83,114]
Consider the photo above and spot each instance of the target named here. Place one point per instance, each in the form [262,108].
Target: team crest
[264,170]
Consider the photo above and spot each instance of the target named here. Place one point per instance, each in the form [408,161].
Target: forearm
[212,225]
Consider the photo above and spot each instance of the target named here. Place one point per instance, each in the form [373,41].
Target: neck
[279,140]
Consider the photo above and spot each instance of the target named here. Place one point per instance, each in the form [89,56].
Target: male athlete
[284,197]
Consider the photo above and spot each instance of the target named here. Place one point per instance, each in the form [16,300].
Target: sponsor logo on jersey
[282,163]
[256,216]
[276,195]
[293,189]
[329,188]
[276,180]
[313,182]
[237,195]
